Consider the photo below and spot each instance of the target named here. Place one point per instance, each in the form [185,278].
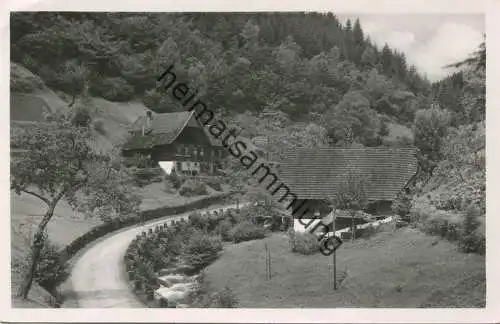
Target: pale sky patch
[400,40]
[451,43]
[429,41]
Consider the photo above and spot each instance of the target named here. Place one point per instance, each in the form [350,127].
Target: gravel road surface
[98,279]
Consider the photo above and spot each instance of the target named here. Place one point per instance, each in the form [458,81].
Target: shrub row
[99,231]
[145,176]
[189,246]
[50,270]
[165,245]
[203,298]
[464,232]
[175,180]
[303,243]
[232,225]
[192,188]
[307,243]
[246,231]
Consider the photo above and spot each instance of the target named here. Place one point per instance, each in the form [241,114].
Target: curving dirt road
[98,279]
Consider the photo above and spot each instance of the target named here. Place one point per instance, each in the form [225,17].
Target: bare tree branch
[45,200]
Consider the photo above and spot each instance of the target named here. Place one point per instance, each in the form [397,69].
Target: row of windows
[198,151]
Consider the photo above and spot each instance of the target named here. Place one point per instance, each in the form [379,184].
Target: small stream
[178,281]
[175,288]
[176,285]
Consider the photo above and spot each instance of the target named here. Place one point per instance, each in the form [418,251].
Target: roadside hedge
[186,246]
[101,230]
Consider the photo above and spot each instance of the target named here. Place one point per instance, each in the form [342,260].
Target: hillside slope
[459,179]
[26,210]
[67,224]
[32,95]
[404,269]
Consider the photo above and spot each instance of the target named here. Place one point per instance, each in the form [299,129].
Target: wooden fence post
[267,261]
[334,255]
[270,271]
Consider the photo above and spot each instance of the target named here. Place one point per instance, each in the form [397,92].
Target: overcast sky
[429,41]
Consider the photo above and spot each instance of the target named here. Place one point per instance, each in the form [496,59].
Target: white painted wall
[298,227]
[167,166]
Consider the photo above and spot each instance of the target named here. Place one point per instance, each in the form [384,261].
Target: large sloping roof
[316,173]
[164,130]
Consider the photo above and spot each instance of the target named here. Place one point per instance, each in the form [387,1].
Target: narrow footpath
[98,279]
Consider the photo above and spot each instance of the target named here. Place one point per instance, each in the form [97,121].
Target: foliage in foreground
[192,245]
[303,243]
[51,270]
[201,250]
[401,206]
[351,195]
[435,222]
[246,231]
[223,299]
[203,298]
[60,163]
[192,188]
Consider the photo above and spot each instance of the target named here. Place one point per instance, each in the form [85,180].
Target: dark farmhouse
[176,137]
[315,174]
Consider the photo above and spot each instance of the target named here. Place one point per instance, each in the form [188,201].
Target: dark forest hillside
[307,66]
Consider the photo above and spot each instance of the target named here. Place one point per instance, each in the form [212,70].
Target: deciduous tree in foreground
[351,196]
[61,163]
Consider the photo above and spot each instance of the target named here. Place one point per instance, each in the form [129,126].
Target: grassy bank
[66,225]
[404,269]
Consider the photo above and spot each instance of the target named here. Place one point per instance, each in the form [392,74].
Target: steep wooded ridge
[285,79]
[237,62]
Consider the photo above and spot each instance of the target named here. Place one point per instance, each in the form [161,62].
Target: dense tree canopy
[237,61]
[328,75]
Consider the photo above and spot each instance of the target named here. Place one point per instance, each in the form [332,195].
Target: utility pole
[334,255]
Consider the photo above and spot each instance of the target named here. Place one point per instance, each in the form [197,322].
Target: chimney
[149,122]
[149,118]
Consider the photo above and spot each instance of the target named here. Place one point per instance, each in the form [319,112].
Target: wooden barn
[176,137]
[314,174]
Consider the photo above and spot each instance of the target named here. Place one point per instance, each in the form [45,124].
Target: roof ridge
[172,113]
[351,148]
[179,131]
[313,172]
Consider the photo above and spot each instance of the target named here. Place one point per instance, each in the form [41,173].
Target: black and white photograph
[305,159]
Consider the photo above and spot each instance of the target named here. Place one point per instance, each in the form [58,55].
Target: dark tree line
[308,66]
